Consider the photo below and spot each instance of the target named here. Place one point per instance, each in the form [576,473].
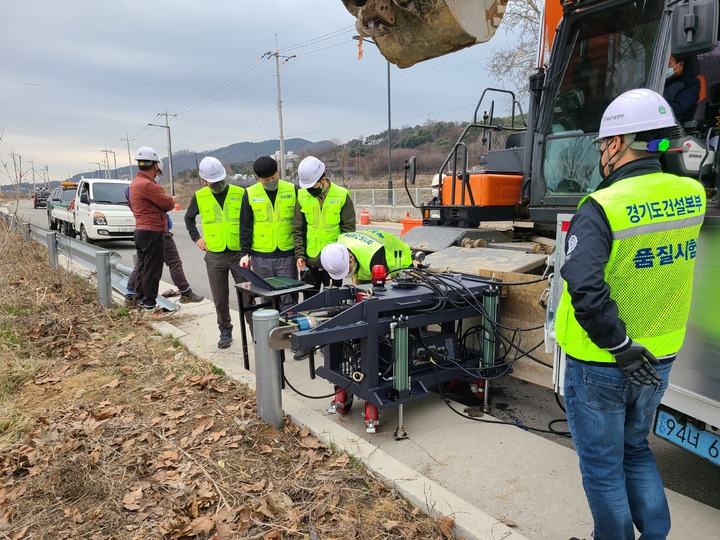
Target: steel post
[490,303]
[104,278]
[268,371]
[52,249]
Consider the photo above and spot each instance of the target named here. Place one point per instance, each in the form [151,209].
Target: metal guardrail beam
[106,265]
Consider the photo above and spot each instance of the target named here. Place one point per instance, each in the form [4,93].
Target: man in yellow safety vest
[630,254]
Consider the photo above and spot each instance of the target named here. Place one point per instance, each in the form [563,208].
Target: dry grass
[111,431]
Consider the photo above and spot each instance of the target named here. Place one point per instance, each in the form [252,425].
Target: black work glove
[636,363]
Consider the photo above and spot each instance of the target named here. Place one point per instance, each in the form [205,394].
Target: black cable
[552,422]
[313,397]
[499,422]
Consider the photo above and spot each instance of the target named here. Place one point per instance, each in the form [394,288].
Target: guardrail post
[102,261]
[268,371]
[52,249]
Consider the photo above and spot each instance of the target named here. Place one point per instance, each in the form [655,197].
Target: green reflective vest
[323,224]
[655,222]
[221,226]
[272,227]
[364,244]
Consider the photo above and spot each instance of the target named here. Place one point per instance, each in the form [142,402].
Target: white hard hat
[435,180]
[310,170]
[211,170]
[635,111]
[335,259]
[145,153]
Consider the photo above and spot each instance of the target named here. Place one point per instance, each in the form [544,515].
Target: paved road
[512,400]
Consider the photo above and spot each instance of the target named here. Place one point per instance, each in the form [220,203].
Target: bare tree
[514,63]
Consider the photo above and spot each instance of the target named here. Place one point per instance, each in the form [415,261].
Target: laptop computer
[273,283]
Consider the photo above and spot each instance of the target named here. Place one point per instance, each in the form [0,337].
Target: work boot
[225,339]
[301,354]
[190,297]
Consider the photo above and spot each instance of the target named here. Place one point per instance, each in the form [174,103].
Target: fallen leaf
[18,533]
[390,525]
[217,434]
[203,425]
[112,384]
[446,525]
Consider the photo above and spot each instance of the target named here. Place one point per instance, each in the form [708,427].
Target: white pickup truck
[98,212]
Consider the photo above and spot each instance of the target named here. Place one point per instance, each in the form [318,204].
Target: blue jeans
[610,420]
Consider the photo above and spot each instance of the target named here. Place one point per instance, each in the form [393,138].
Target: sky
[80,84]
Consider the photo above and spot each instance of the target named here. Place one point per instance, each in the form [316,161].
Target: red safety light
[378,276]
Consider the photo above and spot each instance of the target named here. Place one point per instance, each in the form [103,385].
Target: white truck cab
[101,211]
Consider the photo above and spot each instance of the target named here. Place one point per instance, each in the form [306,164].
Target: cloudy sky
[79,77]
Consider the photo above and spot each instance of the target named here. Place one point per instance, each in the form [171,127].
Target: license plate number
[683,434]
[126,229]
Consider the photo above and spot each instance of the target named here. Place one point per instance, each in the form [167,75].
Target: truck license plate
[685,435]
[126,229]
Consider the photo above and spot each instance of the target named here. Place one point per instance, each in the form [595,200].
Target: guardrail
[106,265]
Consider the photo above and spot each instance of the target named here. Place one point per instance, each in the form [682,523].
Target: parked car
[57,209]
[40,198]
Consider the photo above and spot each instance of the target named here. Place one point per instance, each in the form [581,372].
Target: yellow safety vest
[272,227]
[365,244]
[221,226]
[655,220]
[323,224]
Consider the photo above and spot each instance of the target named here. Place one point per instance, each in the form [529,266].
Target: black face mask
[315,191]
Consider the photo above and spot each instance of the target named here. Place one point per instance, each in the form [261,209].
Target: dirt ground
[109,430]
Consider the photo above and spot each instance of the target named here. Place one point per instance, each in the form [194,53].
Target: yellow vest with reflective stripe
[323,224]
[655,221]
[272,227]
[221,226]
[364,244]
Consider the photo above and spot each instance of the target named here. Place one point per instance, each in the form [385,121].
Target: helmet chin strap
[611,166]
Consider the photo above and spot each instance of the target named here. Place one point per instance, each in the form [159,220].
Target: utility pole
[360,41]
[32,168]
[107,162]
[170,162]
[127,139]
[98,164]
[277,57]
[47,177]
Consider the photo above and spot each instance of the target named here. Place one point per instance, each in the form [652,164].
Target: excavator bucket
[410,31]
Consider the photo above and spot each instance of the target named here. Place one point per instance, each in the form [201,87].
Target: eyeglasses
[598,145]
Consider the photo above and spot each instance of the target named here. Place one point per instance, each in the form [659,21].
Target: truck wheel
[52,224]
[84,236]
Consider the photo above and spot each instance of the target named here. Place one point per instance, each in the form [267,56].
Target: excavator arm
[410,31]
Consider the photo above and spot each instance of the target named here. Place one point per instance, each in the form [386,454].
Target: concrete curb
[470,522]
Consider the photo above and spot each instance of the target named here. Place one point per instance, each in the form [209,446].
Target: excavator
[502,213]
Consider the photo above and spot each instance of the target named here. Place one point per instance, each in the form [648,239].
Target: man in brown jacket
[149,205]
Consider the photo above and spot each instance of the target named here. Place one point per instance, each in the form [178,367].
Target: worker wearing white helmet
[324,211]
[435,191]
[357,253]
[630,252]
[218,204]
[149,204]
